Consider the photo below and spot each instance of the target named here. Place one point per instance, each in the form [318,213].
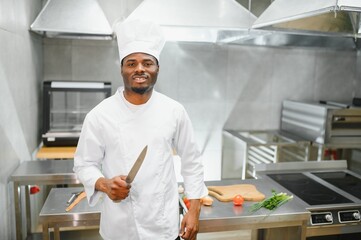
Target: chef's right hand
[116,188]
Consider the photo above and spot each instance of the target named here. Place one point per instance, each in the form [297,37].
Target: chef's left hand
[190,222]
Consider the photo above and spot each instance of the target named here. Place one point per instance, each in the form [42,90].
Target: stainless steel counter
[53,214]
[47,172]
[223,216]
[220,216]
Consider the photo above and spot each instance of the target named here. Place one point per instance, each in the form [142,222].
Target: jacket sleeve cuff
[196,191]
[93,195]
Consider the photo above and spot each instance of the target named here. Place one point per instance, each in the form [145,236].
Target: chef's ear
[121,63]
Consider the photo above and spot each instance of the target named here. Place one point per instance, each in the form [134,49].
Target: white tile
[290,78]
[20,77]
[248,72]
[232,156]
[336,76]
[24,86]
[207,114]
[25,12]
[8,161]
[7,16]
[212,165]
[57,61]
[95,62]
[251,116]
[200,72]
[168,79]
[209,139]
[211,158]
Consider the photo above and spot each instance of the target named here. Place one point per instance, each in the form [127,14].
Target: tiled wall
[236,87]
[21,71]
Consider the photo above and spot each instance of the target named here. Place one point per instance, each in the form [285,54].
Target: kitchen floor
[93,234]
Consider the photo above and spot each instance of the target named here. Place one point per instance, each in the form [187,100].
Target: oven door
[344,236]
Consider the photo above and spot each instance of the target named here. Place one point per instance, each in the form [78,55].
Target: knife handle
[76,201]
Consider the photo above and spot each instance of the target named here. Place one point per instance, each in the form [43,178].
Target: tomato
[186,202]
[238,200]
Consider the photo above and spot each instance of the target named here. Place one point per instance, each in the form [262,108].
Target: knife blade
[72,198]
[138,163]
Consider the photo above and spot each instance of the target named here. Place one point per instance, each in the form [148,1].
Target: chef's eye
[148,64]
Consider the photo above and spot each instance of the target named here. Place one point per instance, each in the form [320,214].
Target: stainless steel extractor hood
[318,17]
[80,19]
[307,23]
[197,21]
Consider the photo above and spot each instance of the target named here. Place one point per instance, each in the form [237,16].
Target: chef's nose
[140,68]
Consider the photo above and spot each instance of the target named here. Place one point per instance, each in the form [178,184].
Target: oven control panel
[335,217]
[321,218]
[349,216]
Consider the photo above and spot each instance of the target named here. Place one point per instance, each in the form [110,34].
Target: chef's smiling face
[140,72]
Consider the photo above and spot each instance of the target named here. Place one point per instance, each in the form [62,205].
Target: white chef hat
[139,36]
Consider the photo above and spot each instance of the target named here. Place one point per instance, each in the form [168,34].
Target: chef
[116,131]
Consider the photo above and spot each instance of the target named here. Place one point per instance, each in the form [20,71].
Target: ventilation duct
[80,19]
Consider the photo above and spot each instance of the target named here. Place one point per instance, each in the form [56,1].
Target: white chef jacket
[111,139]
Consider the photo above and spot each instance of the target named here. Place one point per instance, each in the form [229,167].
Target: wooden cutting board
[226,193]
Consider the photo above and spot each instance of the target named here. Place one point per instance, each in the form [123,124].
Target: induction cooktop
[327,189]
[309,190]
[342,180]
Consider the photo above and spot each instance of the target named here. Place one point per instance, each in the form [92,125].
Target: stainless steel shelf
[263,147]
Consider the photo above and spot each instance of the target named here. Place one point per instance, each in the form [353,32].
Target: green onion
[271,203]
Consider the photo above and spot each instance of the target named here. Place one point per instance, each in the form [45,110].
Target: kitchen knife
[133,172]
[76,201]
[72,198]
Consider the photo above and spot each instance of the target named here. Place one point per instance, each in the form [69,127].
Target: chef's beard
[140,90]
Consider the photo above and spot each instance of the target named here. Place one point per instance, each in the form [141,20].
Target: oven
[322,123]
[328,190]
[65,105]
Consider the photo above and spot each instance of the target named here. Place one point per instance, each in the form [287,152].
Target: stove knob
[356,215]
[328,218]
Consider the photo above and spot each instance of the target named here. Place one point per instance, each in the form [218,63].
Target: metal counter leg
[303,230]
[56,232]
[17,211]
[45,231]
[27,210]
[254,234]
